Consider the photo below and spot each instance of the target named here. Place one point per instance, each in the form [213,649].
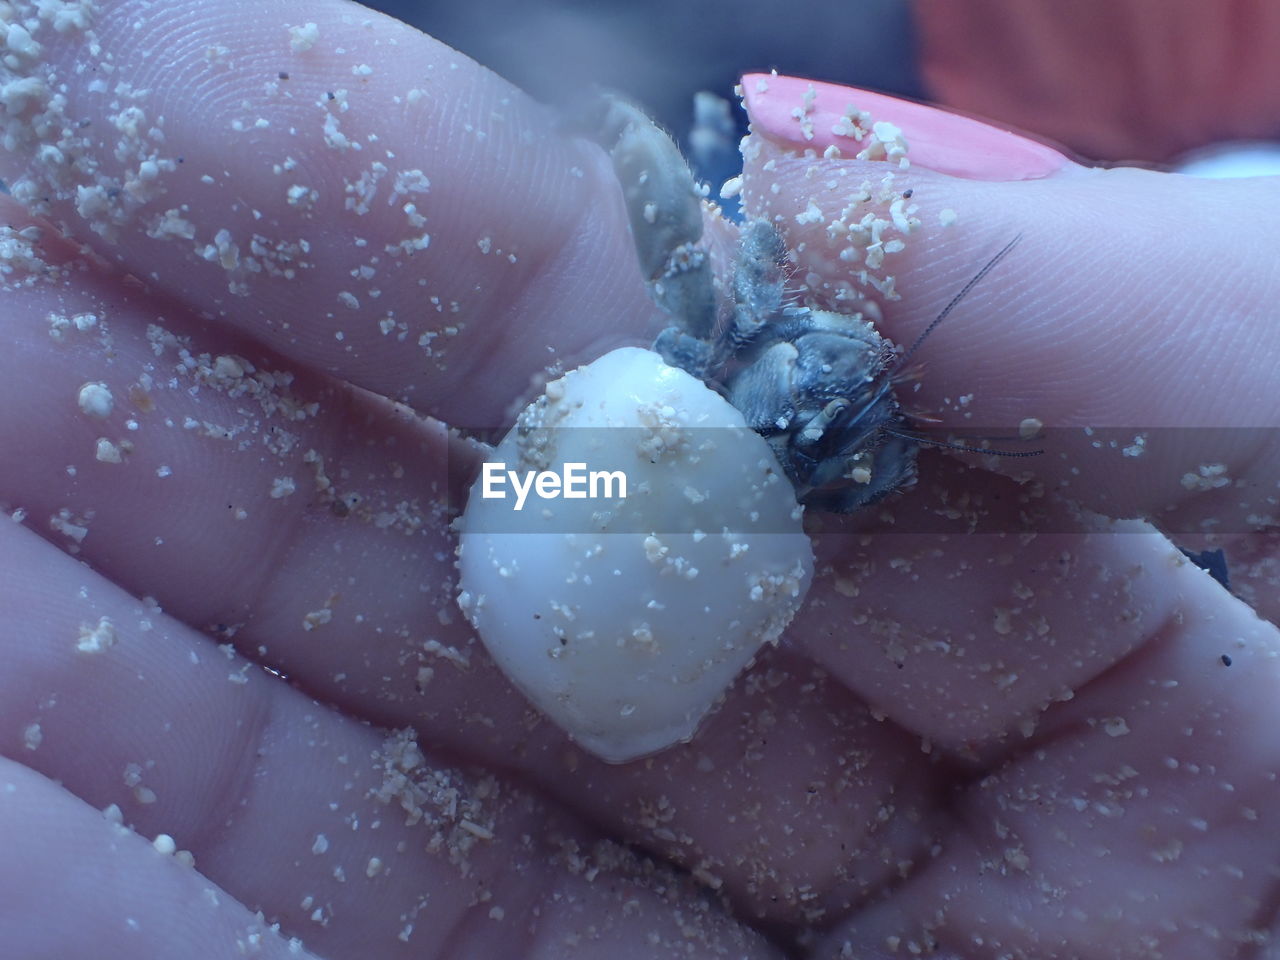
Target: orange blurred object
[1115,80]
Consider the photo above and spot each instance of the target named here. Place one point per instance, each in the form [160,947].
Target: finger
[353,194]
[1011,669]
[1134,302]
[346,586]
[65,860]
[252,501]
[357,841]
[1146,823]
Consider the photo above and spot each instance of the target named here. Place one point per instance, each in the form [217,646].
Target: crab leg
[665,212]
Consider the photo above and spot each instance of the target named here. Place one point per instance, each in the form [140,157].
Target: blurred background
[661,51]
[1145,81]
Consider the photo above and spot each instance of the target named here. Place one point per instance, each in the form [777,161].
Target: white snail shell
[624,620]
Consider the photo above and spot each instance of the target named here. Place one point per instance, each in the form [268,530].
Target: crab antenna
[953,445]
[955,301]
[885,387]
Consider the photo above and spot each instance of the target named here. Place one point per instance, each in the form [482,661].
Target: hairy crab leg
[664,208]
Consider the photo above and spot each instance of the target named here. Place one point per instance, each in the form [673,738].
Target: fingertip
[806,114]
[344,189]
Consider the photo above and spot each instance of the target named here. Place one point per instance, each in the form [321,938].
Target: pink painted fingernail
[814,115]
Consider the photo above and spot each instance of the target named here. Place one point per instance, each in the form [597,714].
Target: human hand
[257,282]
[794,801]
[1098,753]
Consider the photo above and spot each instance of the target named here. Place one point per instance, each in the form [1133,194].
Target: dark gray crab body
[816,384]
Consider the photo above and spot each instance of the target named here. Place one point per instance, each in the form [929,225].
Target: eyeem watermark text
[575,482]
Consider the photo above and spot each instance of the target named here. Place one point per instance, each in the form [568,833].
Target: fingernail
[805,114]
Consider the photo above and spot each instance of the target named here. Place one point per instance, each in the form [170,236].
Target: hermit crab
[816,384]
[624,617]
